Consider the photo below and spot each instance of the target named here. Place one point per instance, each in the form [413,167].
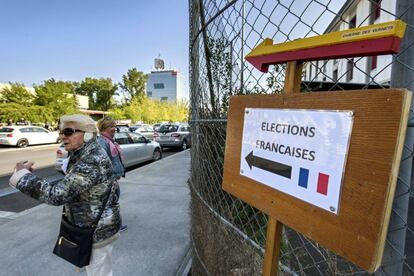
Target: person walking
[88,181]
[107,129]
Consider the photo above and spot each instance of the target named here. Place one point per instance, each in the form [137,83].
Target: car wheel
[157,155]
[184,145]
[22,143]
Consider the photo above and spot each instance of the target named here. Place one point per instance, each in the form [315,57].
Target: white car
[23,136]
[135,148]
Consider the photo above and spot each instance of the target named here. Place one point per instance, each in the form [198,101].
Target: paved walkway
[154,204]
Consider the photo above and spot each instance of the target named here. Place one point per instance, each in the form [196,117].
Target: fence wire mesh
[228,235]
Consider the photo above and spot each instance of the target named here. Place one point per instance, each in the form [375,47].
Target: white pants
[101,261]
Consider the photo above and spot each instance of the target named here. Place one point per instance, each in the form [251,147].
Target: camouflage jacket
[82,190]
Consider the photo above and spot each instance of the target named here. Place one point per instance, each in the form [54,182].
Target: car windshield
[6,129]
[168,128]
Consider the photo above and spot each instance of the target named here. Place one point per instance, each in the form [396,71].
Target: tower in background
[165,84]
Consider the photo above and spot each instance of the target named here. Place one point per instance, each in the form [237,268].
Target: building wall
[83,101]
[166,85]
[314,71]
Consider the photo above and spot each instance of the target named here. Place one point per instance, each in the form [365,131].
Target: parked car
[122,128]
[173,135]
[145,130]
[156,126]
[136,149]
[23,136]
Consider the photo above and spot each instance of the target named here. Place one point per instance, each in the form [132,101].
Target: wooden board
[359,230]
[377,39]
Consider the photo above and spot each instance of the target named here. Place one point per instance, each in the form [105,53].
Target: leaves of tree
[133,84]
[57,96]
[16,93]
[99,91]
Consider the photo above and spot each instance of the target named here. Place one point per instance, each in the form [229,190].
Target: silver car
[136,149]
[173,135]
[145,130]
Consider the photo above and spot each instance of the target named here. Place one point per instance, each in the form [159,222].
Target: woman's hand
[24,165]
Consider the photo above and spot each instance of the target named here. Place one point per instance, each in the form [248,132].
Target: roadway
[11,200]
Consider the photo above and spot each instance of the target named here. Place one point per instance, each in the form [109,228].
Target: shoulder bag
[74,244]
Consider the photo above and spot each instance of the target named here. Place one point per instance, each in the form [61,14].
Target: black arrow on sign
[269,165]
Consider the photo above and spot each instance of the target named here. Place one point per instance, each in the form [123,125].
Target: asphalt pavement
[154,204]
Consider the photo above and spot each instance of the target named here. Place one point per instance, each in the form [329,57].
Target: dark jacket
[82,190]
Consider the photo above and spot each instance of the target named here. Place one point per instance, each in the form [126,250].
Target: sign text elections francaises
[299,152]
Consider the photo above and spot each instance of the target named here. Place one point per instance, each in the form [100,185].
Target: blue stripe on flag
[303,177]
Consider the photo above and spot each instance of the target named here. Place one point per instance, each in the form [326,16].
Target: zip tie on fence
[238,231]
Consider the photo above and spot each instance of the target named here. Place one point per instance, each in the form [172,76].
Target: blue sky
[71,40]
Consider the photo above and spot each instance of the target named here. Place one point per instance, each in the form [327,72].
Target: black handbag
[74,244]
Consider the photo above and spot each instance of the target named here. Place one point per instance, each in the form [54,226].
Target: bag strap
[95,223]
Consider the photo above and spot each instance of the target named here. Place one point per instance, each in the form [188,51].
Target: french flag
[323,180]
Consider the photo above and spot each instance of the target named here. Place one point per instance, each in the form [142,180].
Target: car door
[127,147]
[45,136]
[142,147]
[31,134]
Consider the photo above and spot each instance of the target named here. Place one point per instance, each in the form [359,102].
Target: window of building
[375,10]
[350,69]
[352,22]
[163,99]
[159,85]
[335,75]
[149,94]
[374,61]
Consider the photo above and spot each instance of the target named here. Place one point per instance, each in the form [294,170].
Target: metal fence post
[402,76]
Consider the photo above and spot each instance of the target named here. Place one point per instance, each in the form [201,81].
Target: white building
[166,85]
[353,14]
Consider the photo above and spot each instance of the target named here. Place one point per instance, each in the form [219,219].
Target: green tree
[32,113]
[133,84]
[16,93]
[221,73]
[152,111]
[100,92]
[57,96]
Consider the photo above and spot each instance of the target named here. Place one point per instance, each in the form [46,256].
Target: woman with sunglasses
[89,175]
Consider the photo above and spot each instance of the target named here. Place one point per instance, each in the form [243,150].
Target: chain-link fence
[228,235]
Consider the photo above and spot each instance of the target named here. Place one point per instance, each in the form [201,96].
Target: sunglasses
[69,131]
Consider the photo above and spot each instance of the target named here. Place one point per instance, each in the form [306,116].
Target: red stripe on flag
[323,180]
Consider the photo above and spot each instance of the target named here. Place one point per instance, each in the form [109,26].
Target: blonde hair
[82,122]
[105,123]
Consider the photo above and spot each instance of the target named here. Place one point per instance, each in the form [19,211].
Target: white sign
[299,152]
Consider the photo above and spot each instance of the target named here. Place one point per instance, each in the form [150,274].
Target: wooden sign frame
[359,231]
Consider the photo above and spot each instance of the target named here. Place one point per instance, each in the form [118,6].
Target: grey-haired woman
[89,175]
